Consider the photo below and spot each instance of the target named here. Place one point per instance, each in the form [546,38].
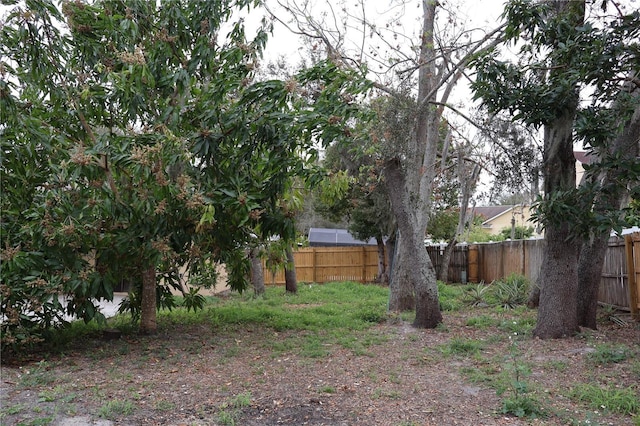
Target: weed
[482,321]
[477,295]
[458,346]
[608,354]
[618,400]
[512,291]
[40,375]
[517,401]
[241,400]
[327,389]
[115,408]
[518,327]
[163,405]
[388,394]
[14,409]
[230,411]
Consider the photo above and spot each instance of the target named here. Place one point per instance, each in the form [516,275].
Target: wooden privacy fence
[486,262]
[326,264]
[620,280]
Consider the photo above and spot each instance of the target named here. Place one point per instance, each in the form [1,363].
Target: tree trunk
[443,274]
[383,278]
[290,278]
[148,305]
[401,297]
[589,275]
[558,278]
[557,313]
[257,273]
[610,197]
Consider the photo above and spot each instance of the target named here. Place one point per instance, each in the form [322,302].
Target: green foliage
[116,408]
[476,295]
[442,225]
[193,300]
[482,321]
[450,296]
[518,401]
[618,400]
[521,232]
[134,135]
[608,354]
[459,346]
[512,291]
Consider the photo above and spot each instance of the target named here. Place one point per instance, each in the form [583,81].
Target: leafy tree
[134,143]
[565,49]
[416,83]
[519,232]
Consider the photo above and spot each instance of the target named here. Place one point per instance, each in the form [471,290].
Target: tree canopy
[134,139]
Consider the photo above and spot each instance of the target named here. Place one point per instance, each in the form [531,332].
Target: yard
[331,355]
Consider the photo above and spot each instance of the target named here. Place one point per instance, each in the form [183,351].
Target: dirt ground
[397,375]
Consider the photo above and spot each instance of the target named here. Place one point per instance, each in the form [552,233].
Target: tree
[563,53]
[138,144]
[354,194]
[412,118]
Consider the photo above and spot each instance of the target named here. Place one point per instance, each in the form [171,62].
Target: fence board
[480,262]
[459,264]
[326,264]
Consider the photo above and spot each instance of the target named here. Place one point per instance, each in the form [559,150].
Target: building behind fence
[476,263]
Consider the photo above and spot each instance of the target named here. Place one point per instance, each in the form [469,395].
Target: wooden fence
[620,280]
[325,264]
[486,262]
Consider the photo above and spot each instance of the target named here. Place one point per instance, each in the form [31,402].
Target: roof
[335,237]
[582,156]
[491,212]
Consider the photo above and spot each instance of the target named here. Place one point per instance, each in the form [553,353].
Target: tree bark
[257,273]
[610,197]
[558,279]
[443,274]
[383,277]
[148,305]
[401,297]
[290,278]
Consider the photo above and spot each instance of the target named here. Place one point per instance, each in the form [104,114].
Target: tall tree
[562,53]
[144,145]
[429,65]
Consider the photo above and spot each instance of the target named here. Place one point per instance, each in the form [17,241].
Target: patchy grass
[333,346]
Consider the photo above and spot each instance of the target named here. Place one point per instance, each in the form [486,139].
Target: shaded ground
[391,374]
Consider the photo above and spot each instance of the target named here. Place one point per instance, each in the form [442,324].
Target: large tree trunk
[290,278]
[589,275]
[401,296]
[414,278]
[557,314]
[148,305]
[558,280]
[257,273]
[610,197]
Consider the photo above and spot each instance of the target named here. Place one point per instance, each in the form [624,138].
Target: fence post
[363,257]
[473,264]
[313,265]
[631,276]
